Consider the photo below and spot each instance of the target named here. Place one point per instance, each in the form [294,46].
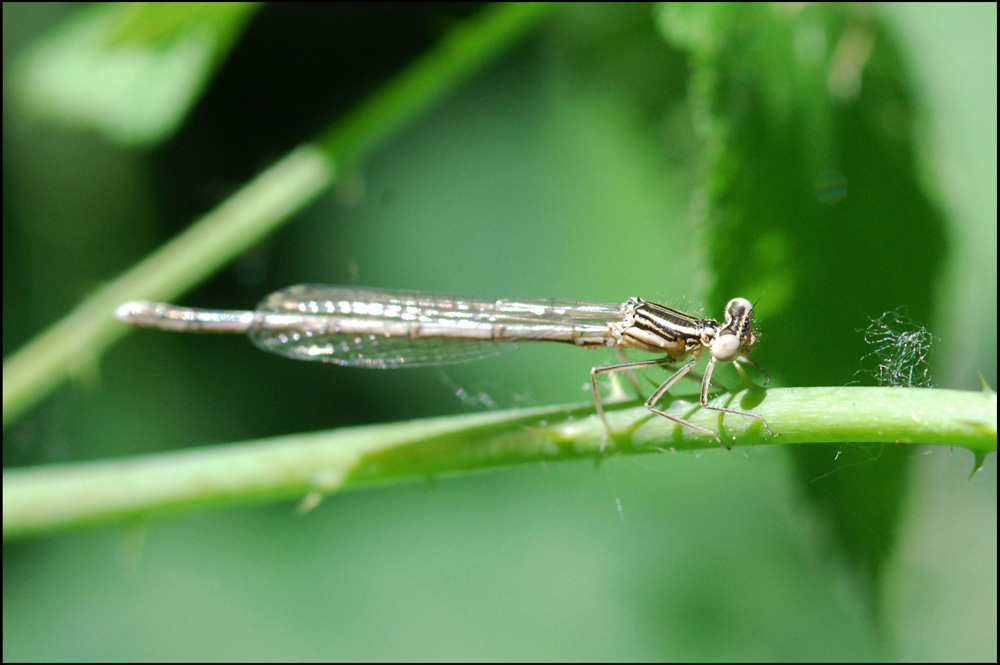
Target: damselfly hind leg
[611,369]
[624,360]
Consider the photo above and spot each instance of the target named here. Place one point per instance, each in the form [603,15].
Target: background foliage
[839,160]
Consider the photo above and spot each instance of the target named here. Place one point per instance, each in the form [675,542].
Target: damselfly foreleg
[704,395]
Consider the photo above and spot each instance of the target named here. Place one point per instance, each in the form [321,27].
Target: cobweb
[900,348]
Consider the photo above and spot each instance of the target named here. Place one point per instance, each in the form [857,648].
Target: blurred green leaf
[132,71]
[803,163]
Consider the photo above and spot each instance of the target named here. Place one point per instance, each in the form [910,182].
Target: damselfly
[384,328]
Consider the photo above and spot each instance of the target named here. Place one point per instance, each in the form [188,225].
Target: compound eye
[738,308]
[726,348]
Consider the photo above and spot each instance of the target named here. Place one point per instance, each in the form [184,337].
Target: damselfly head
[739,323]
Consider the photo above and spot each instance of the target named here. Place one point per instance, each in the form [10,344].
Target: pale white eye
[726,347]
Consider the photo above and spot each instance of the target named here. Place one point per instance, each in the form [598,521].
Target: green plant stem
[306,466]
[261,206]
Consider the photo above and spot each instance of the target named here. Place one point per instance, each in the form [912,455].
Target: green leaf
[131,71]
[803,163]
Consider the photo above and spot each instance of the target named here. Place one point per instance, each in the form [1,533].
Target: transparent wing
[383,328]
